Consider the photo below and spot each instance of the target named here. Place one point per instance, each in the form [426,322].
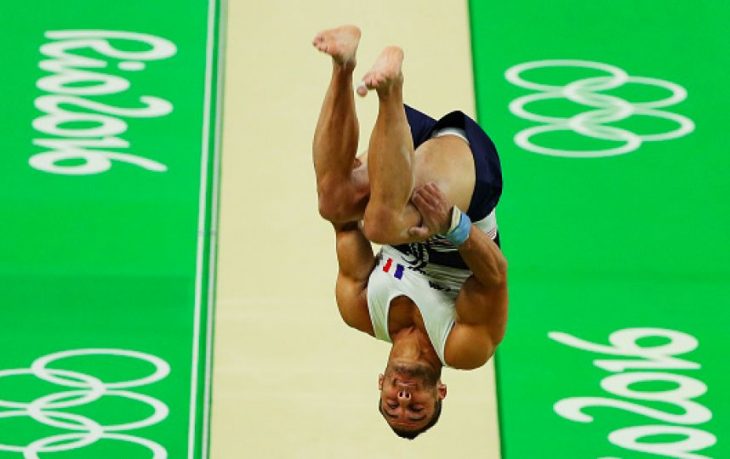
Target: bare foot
[340,43]
[385,72]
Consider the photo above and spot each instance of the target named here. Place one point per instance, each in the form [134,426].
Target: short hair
[411,434]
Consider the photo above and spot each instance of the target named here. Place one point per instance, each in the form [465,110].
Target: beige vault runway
[291,380]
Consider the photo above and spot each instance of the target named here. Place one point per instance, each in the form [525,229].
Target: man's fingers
[434,209]
[422,202]
[428,192]
[417,200]
[435,191]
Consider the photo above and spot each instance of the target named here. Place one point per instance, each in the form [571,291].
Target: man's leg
[388,215]
[341,195]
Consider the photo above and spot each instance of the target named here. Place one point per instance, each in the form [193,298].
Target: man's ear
[441,391]
[381,379]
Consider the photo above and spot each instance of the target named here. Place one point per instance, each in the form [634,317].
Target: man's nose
[404,395]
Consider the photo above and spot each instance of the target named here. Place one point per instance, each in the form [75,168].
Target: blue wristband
[460,227]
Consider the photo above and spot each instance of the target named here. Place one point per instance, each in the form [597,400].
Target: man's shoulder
[468,346]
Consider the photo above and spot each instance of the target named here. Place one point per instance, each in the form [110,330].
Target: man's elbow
[333,210]
[328,210]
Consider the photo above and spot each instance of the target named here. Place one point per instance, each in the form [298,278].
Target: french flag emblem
[398,274]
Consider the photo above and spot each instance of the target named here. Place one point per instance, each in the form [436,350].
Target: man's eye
[392,405]
[417,409]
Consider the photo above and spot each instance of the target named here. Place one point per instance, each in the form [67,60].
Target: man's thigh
[446,161]
[449,163]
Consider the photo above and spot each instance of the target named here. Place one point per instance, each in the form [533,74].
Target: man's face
[408,395]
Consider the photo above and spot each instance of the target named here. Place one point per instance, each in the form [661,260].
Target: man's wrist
[460,227]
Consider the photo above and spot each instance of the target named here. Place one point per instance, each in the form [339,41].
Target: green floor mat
[609,121]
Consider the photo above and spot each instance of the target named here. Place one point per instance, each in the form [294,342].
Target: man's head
[411,395]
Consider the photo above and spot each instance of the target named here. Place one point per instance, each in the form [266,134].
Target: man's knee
[382,225]
[330,209]
[341,204]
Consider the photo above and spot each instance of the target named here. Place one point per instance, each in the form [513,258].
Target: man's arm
[481,305]
[356,261]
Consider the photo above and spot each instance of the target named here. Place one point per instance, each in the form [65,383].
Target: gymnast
[426,190]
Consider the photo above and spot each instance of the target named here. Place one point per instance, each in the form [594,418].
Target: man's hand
[435,211]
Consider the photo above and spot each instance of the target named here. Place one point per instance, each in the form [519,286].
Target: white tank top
[393,277]
[432,287]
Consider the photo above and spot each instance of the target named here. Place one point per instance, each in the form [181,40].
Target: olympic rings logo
[605,109]
[83,390]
